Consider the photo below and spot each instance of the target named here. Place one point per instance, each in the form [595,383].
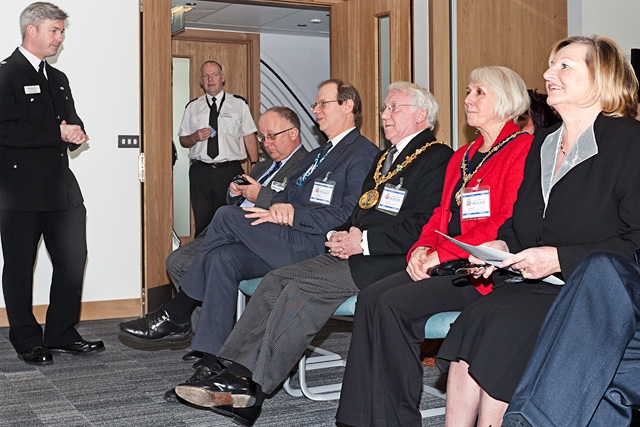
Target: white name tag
[30,90]
[278,186]
[322,191]
[391,199]
[475,203]
[225,115]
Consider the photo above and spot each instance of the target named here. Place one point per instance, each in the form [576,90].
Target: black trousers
[208,185]
[64,234]
[383,378]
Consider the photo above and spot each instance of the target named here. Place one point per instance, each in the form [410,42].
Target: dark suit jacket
[266,193]
[390,237]
[596,206]
[348,163]
[34,164]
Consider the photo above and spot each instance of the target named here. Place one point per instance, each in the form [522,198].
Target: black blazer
[596,206]
[266,193]
[34,163]
[390,237]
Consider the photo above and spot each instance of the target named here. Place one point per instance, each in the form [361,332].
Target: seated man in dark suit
[279,134]
[265,179]
[244,243]
[292,303]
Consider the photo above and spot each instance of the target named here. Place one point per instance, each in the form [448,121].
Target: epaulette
[240,97]
[190,102]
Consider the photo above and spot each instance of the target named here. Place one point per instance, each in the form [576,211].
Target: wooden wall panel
[440,65]
[513,33]
[354,50]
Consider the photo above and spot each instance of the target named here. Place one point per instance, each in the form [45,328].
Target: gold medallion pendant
[369,199]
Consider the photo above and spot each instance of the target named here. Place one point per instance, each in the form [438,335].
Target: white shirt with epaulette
[234,122]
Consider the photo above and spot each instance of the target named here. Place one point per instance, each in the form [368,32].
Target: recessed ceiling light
[302,25]
[316,21]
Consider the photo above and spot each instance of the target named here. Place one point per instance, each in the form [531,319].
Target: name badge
[225,115]
[475,203]
[278,186]
[391,199]
[322,191]
[30,90]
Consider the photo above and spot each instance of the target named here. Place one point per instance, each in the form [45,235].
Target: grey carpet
[124,387]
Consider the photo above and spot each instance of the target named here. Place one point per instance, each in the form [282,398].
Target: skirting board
[93,310]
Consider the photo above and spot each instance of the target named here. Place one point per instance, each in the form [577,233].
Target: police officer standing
[219,132]
[39,195]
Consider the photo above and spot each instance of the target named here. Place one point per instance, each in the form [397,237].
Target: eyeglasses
[270,136]
[394,108]
[321,104]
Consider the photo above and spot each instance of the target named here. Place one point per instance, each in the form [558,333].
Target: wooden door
[355,47]
[238,53]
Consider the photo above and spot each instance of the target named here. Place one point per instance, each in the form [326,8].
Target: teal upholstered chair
[436,327]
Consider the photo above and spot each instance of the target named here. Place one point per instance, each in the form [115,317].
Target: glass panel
[384,61]
[181,204]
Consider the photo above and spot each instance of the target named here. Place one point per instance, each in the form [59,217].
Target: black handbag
[451,268]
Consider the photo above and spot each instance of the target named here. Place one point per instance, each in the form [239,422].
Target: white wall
[302,62]
[616,19]
[100,57]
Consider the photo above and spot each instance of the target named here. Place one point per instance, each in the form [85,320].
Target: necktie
[388,161]
[212,143]
[273,170]
[41,70]
[319,158]
[263,178]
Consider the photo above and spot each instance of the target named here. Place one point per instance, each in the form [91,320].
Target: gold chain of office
[370,198]
[466,176]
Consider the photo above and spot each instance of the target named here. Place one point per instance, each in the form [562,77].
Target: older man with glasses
[292,303]
[257,188]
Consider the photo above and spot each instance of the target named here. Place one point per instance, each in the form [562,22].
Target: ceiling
[254,18]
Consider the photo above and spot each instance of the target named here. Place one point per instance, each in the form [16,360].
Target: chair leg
[240,305]
[326,359]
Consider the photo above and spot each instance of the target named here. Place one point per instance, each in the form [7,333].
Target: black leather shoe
[222,389]
[81,347]
[156,326]
[204,372]
[36,355]
[193,356]
[241,416]
[197,364]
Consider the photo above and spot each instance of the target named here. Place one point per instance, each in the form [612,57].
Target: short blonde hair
[509,90]
[614,82]
[420,97]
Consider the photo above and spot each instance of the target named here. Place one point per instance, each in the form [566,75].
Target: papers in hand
[493,257]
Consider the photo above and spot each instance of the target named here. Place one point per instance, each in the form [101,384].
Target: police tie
[388,161]
[41,70]
[212,143]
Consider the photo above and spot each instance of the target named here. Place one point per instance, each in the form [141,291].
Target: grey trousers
[289,307]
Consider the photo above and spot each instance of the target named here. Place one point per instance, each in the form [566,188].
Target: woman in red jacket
[383,378]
